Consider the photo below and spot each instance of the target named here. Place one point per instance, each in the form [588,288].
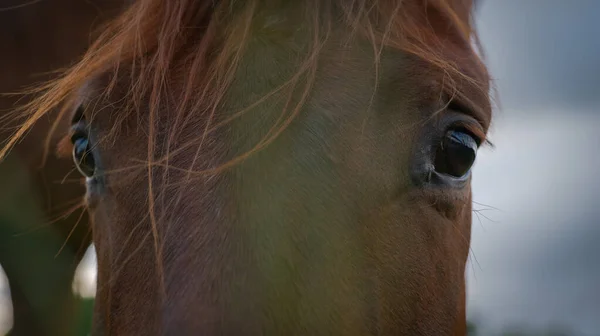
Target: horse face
[337,204]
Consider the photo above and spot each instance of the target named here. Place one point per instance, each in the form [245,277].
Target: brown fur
[173,63]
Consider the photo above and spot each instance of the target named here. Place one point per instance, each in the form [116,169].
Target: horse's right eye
[82,154]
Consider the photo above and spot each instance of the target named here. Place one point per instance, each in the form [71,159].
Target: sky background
[536,257]
[536,232]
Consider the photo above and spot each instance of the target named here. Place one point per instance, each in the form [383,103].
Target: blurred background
[534,266]
[536,235]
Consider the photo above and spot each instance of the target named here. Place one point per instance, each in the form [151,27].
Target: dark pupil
[456,154]
[84,160]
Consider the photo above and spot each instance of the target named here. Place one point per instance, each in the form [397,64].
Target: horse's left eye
[456,154]
[82,154]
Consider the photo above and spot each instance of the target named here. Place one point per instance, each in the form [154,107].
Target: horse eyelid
[475,131]
[456,105]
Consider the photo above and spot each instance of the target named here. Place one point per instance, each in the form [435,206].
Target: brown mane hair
[210,35]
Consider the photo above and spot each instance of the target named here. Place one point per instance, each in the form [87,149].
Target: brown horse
[278,167]
[37,38]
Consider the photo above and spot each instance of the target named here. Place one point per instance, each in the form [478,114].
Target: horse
[277,167]
[44,233]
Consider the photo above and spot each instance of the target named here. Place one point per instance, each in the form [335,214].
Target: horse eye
[456,154]
[82,154]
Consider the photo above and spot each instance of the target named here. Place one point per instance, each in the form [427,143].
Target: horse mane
[210,35]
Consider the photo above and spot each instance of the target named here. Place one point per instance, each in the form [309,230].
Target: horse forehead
[457,52]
